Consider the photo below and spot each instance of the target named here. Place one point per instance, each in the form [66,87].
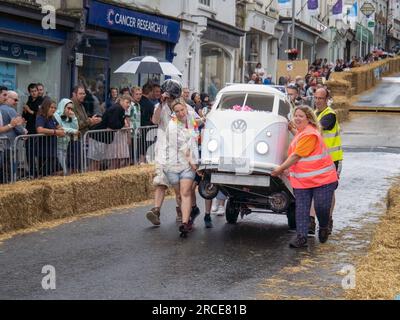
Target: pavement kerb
[28,203]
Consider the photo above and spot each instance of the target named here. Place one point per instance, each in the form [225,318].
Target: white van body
[245,137]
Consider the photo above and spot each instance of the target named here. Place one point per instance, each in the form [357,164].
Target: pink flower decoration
[240,108]
[247,108]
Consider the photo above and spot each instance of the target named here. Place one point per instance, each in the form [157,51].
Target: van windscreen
[247,102]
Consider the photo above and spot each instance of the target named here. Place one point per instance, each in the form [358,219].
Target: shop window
[94,47]
[206,3]
[8,75]
[93,77]
[215,69]
[252,53]
[123,48]
[94,72]
[307,51]
[21,73]
[156,49]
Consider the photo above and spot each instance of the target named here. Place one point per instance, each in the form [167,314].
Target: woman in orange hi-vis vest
[312,175]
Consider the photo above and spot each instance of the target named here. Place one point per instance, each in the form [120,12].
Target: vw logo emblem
[239,126]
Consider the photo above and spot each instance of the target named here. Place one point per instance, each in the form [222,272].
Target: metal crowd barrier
[107,149]
[5,160]
[36,156]
[145,138]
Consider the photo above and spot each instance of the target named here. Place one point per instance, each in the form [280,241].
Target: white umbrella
[149,64]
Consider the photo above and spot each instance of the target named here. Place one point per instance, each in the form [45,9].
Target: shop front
[31,54]
[351,45]
[220,51]
[365,40]
[261,44]
[113,36]
[311,43]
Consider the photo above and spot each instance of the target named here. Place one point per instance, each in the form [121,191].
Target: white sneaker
[214,207]
[221,211]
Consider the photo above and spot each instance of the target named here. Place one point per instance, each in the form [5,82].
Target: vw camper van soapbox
[245,137]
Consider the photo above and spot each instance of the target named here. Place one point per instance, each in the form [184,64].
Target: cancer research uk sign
[129,21]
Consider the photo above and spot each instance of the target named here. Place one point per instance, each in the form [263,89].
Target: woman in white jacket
[182,156]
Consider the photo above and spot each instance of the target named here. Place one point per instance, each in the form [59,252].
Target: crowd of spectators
[320,68]
[63,124]
[53,131]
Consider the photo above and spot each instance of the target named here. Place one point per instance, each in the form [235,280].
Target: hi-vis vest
[332,137]
[315,170]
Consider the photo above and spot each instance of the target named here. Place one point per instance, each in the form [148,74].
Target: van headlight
[212,145]
[262,147]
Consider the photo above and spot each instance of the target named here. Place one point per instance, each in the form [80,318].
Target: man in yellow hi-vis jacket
[331,133]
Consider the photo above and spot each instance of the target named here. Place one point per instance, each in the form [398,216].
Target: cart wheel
[231,212]
[207,190]
[279,202]
[291,216]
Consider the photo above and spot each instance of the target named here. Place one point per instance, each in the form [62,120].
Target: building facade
[203,41]
[380,20]
[261,42]
[393,25]
[209,49]
[33,50]
[311,33]
[114,33]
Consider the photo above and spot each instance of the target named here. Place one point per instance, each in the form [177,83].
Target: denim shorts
[175,177]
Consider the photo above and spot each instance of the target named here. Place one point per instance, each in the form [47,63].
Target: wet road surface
[120,256]
[386,96]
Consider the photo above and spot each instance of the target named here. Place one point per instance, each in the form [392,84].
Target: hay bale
[359,79]
[59,201]
[339,87]
[21,207]
[378,274]
[92,193]
[341,106]
[26,203]
[342,115]
[96,191]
